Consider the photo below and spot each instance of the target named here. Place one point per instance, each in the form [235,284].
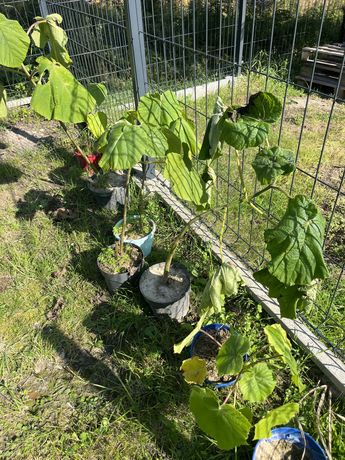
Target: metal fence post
[135,30]
[239,34]
[43,8]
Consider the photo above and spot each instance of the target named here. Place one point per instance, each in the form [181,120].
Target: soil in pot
[157,290]
[207,349]
[280,450]
[111,261]
[136,230]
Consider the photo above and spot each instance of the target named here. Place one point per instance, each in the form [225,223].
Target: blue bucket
[217,327]
[145,243]
[295,436]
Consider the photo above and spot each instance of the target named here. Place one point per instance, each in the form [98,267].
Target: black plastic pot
[161,296]
[115,280]
[111,196]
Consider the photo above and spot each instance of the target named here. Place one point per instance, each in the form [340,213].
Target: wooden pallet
[328,67]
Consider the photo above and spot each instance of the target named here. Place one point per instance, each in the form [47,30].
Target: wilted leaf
[61,97]
[272,163]
[223,423]
[263,106]
[230,355]
[279,416]
[14,43]
[280,343]
[194,370]
[257,382]
[212,145]
[245,132]
[97,123]
[188,339]
[295,244]
[48,31]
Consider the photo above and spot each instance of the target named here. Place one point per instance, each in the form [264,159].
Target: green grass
[99,379]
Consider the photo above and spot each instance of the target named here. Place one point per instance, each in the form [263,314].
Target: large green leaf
[48,31]
[123,147]
[290,298]
[98,91]
[157,109]
[157,144]
[184,130]
[263,106]
[272,163]
[223,282]
[230,355]
[212,145]
[244,133]
[14,43]
[223,423]
[3,99]
[59,96]
[295,244]
[279,416]
[257,383]
[280,343]
[184,179]
[97,123]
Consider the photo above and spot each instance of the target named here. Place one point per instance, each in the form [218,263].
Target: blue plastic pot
[145,243]
[294,436]
[217,327]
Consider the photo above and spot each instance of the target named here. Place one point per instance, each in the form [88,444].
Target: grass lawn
[86,375]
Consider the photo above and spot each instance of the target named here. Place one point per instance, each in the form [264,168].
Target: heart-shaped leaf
[184,130]
[263,106]
[157,144]
[123,146]
[257,382]
[272,163]
[14,43]
[223,423]
[230,356]
[59,96]
[194,370]
[279,416]
[244,133]
[295,244]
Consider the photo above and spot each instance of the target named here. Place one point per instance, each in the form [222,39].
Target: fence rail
[186,45]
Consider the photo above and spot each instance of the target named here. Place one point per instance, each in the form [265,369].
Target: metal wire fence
[205,48]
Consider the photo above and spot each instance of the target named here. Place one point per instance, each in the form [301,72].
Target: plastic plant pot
[111,196]
[217,327]
[166,299]
[115,280]
[294,436]
[145,243]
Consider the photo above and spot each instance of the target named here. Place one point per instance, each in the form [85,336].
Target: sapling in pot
[230,419]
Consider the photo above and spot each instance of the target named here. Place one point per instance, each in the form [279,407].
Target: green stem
[124,218]
[269,187]
[240,172]
[222,231]
[141,198]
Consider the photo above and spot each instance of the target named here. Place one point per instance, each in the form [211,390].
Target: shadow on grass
[9,173]
[146,392]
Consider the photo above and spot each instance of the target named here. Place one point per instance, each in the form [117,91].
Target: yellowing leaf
[279,416]
[194,370]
